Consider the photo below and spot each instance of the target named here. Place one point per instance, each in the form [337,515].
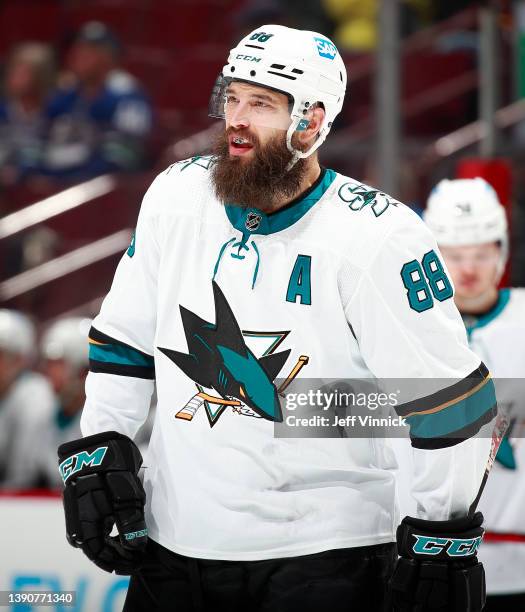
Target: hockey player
[249,265]
[470,226]
[26,401]
[64,349]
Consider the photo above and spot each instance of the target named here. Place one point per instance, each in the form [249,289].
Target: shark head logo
[219,358]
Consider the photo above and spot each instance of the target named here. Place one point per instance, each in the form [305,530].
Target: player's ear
[315,117]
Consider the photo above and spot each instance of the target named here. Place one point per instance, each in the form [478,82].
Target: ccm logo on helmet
[325,48]
[453,547]
[248,58]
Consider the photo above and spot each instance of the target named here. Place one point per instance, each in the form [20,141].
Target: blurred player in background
[471,229]
[64,351]
[100,117]
[26,402]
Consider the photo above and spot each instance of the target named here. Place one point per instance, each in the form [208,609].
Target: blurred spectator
[100,118]
[64,349]
[26,402]
[30,75]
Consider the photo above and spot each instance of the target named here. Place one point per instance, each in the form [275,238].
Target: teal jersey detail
[437,279]
[505,455]
[202,161]
[418,293]
[358,196]
[503,300]
[254,221]
[63,420]
[300,281]
[419,285]
[116,353]
[455,417]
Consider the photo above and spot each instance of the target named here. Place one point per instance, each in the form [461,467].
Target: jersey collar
[487,317]
[254,221]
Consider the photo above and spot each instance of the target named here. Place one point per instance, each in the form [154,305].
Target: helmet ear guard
[300,125]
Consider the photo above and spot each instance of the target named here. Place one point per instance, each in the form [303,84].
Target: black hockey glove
[438,569]
[102,488]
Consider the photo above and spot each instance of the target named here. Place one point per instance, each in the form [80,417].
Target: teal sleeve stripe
[456,417]
[118,354]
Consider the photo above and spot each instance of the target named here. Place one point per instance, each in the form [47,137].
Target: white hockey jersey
[498,337]
[214,302]
[24,413]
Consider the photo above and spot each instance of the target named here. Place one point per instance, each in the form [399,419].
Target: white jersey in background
[25,412]
[498,337]
[215,302]
[59,429]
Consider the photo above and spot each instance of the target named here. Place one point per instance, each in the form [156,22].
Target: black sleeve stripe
[457,436]
[444,397]
[98,336]
[121,370]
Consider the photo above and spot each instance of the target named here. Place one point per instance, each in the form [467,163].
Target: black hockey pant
[349,580]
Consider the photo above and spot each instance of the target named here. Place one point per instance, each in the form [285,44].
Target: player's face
[67,382]
[251,156]
[255,116]
[474,268]
[57,372]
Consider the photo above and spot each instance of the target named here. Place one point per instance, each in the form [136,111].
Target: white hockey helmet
[466,212]
[306,66]
[17,333]
[67,339]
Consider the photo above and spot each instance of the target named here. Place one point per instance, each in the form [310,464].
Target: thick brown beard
[259,182]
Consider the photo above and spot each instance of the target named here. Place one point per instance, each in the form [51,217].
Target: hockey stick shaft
[498,433]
